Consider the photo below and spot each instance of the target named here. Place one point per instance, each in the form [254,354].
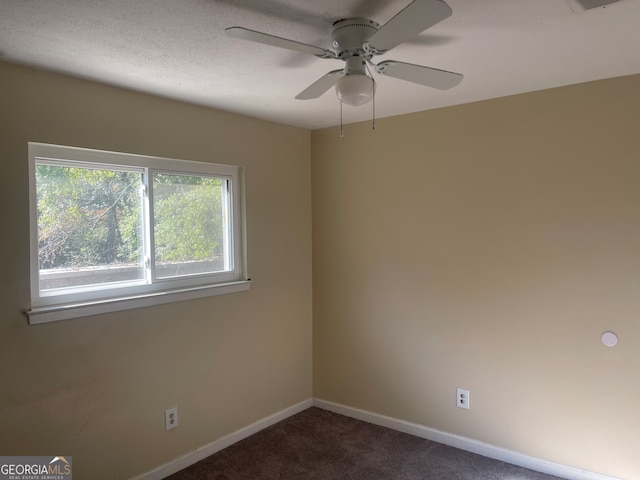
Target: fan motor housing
[348,36]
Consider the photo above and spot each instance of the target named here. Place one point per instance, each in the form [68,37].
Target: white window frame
[80,302]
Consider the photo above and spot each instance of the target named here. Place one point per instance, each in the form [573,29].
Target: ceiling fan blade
[321,85]
[265,38]
[430,77]
[409,22]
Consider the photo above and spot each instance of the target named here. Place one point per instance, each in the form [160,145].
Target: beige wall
[485,246]
[488,246]
[96,388]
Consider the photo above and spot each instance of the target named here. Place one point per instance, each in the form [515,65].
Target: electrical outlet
[170,418]
[462,398]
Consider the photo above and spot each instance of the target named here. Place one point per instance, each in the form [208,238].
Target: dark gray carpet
[321,445]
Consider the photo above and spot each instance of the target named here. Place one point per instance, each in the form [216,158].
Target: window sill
[74,310]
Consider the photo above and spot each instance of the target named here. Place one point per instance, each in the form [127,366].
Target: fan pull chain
[341,132]
[374,107]
[373,125]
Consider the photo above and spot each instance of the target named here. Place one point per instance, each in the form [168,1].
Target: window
[111,231]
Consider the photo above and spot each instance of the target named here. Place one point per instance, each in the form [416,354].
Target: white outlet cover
[462,398]
[170,418]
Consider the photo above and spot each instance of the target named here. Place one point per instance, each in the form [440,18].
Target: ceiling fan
[356,41]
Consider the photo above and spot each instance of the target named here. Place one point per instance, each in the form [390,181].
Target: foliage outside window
[116,227]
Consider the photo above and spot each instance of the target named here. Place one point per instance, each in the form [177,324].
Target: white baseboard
[463,443]
[203,452]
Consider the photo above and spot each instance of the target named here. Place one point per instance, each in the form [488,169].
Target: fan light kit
[356,41]
[355,89]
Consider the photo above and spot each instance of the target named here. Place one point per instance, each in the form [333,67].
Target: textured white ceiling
[178,49]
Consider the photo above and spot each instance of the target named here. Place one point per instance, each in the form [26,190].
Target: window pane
[89,226]
[190,225]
